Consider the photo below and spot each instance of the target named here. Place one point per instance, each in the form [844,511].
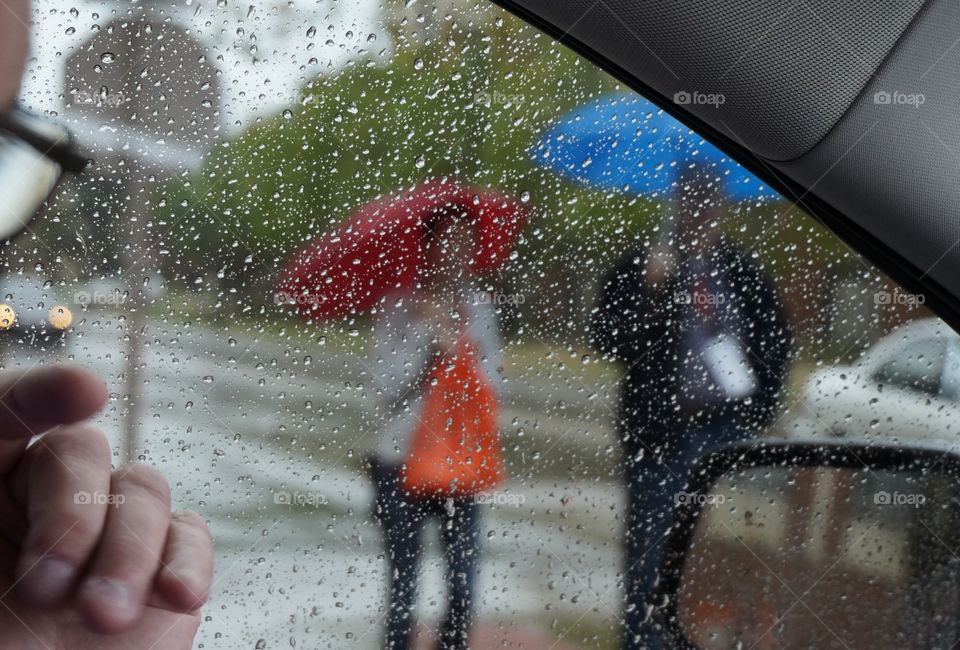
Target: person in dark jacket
[704,345]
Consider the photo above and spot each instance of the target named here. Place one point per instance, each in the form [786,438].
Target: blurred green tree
[445,98]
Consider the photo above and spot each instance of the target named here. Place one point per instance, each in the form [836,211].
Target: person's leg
[402,520]
[460,535]
[652,481]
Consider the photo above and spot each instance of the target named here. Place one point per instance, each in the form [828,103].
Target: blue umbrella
[623,142]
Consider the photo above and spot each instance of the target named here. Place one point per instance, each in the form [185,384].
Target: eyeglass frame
[63,151]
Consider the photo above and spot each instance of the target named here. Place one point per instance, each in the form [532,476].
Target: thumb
[36,400]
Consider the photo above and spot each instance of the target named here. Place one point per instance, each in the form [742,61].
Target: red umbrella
[379,249]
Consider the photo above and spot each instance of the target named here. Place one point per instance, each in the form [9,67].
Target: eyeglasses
[34,156]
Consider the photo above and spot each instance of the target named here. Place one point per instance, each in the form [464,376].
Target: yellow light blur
[7,317]
[60,317]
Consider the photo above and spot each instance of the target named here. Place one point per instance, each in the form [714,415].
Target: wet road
[235,419]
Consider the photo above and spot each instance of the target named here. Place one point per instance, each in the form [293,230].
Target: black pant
[403,519]
[655,479]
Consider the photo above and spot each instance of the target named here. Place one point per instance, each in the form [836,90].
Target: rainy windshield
[427,317]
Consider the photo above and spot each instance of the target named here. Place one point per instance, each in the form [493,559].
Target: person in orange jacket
[413,332]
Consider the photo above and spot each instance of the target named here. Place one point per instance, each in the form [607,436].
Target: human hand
[89,557]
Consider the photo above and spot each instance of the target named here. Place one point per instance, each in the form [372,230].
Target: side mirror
[814,545]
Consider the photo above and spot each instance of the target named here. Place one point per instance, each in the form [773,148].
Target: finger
[160,630]
[186,574]
[122,575]
[36,400]
[66,474]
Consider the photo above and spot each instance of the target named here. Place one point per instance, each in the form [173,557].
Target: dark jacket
[641,327]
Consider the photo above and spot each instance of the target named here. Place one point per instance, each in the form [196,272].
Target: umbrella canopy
[379,249]
[623,142]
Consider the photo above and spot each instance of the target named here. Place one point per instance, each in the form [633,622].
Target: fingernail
[114,596]
[47,581]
